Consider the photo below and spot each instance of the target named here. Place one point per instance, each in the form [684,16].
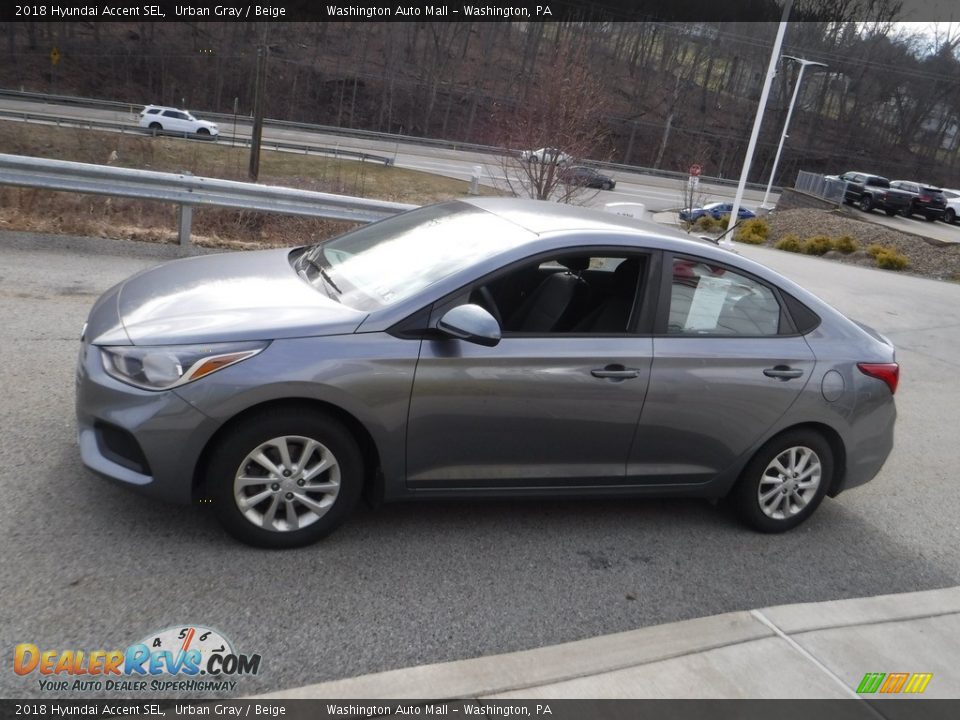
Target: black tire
[156,127]
[930,218]
[203,131]
[866,203]
[891,213]
[949,216]
[746,494]
[232,455]
[607,186]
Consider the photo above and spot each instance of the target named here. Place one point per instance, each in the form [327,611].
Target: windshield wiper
[326,276]
[323,273]
[328,281]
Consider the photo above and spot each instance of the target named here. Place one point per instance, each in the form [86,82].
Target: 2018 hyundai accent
[490,347]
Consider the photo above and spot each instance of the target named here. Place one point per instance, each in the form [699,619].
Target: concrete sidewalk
[813,650]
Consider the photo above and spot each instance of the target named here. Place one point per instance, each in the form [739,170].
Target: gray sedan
[473,349]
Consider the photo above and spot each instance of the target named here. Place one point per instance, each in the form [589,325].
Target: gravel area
[928,258]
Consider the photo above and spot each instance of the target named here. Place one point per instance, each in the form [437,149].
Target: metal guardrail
[188,191]
[245,142]
[823,186]
[370,135]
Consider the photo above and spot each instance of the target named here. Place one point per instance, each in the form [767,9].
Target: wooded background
[666,94]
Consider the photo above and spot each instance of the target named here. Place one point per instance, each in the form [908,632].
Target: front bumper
[150,441]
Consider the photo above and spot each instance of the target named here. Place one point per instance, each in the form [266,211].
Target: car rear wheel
[949,216]
[284,479]
[785,481]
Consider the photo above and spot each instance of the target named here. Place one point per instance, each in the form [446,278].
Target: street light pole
[786,124]
[758,120]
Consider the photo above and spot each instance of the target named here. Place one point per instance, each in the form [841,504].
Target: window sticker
[708,301]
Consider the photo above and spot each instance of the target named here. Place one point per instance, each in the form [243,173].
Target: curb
[530,669]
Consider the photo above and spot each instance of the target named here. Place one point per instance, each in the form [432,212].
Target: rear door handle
[783,372]
[617,372]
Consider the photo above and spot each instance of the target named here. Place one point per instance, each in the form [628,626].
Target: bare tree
[564,108]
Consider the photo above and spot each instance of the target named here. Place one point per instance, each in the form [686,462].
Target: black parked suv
[925,200]
[873,191]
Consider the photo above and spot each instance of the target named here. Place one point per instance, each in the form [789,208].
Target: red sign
[695,170]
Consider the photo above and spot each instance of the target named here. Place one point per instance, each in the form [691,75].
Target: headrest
[575,264]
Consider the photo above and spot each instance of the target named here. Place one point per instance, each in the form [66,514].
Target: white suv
[952,212]
[179,122]
[545,155]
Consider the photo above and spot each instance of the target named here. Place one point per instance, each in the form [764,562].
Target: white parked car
[174,121]
[952,212]
[546,155]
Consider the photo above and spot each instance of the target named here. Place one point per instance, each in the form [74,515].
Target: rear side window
[713,300]
[878,182]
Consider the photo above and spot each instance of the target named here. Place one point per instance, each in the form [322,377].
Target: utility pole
[259,87]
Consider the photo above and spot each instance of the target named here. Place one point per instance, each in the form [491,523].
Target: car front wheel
[866,203]
[949,216]
[785,482]
[285,478]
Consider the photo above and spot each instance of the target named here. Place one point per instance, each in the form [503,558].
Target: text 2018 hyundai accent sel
[486,348]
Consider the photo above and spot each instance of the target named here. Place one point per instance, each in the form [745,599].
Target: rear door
[727,365]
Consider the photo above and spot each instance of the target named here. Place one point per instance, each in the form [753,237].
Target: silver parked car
[479,348]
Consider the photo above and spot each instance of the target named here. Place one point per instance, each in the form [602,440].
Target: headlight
[162,368]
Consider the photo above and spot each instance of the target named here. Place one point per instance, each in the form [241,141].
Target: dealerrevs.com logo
[179,659]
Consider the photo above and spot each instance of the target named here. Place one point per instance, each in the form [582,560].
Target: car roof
[543,217]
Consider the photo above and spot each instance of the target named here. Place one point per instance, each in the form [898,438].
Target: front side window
[710,299]
[571,293]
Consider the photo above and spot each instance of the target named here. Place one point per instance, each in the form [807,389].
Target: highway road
[88,565]
[656,193]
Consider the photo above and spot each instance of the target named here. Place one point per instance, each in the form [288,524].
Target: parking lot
[90,565]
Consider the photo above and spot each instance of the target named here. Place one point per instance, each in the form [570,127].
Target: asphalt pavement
[90,565]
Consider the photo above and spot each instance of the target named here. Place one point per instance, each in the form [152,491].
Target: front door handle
[616,372]
[783,372]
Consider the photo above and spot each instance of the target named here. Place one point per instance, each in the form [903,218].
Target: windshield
[388,261]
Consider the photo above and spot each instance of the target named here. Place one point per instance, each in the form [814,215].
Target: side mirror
[471,323]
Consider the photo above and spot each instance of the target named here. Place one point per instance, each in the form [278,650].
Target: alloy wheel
[286,483]
[789,482]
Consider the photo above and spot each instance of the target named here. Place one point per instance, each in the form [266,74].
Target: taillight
[888,372]
[925,198]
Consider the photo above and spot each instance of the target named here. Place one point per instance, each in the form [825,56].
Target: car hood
[220,298]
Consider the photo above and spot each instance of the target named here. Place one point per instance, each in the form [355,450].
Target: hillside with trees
[662,95]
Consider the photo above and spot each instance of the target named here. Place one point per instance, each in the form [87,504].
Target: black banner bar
[489,11]
[899,709]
